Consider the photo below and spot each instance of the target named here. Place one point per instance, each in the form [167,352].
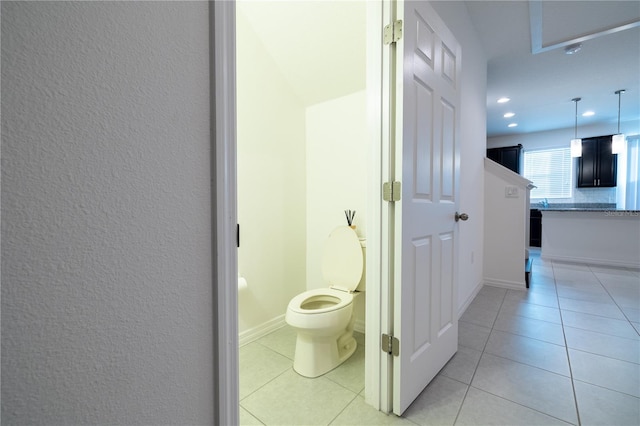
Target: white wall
[337,160]
[505,228]
[472,148]
[106,214]
[271,186]
[560,138]
[337,175]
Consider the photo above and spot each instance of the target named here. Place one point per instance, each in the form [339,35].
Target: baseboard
[591,261]
[262,330]
[359,326]
[512,285]
[467,302]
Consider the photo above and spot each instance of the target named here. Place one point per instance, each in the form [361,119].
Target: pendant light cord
[576,100]
[575,136]
[619,93]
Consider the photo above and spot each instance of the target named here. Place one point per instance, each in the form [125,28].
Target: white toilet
[323,318]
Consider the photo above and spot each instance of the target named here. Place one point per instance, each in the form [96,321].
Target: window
[550,170]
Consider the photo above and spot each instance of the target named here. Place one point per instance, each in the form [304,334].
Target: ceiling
[542,85]
[325,64]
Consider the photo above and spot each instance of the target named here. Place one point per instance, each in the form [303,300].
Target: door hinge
[391,191]
[390,345]
[392,32]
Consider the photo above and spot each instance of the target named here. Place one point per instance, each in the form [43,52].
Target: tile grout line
[342,411]
[257,341]
[529,337]
[601,316]
[612,298]
[269,381]
[566,346]
[520,404]
[527,365]
[275,351]
[464,398]
[609,389]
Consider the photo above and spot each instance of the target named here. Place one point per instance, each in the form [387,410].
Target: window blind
[550,170]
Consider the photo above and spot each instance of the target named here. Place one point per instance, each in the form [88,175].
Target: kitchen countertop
[583,207]
[587,209]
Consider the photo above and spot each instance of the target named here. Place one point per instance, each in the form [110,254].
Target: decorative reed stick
[350,214]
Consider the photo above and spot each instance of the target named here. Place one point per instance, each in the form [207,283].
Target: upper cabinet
[508,156]
[597,166]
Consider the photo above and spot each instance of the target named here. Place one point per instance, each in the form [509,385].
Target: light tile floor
[567,351]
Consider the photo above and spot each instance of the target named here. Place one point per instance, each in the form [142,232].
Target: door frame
[378,367]
[222,70]
[222,103]
[381,86]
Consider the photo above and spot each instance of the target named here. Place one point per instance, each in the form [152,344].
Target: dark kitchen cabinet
[508,156]
[535,228]
[597,168]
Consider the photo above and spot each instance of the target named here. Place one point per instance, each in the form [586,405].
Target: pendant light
[576,144]
[617,142]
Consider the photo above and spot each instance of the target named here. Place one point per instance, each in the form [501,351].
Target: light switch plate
[511,192]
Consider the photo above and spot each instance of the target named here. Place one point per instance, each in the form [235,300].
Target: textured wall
[106,235]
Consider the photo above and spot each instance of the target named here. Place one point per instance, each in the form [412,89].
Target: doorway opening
[303,158]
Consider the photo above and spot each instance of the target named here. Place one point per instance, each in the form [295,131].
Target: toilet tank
[363,279]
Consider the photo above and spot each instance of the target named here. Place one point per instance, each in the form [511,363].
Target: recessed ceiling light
[503,100]
[588,113]
[509,115]
[513,125]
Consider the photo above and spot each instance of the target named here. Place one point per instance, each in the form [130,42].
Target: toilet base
[317,355]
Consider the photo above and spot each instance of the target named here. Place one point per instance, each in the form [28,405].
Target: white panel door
[427,159]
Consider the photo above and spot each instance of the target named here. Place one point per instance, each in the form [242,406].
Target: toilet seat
[342,265]
[311,302]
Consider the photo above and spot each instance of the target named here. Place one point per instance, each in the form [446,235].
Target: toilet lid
[342,262]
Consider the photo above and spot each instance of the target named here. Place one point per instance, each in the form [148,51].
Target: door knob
[462,216]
